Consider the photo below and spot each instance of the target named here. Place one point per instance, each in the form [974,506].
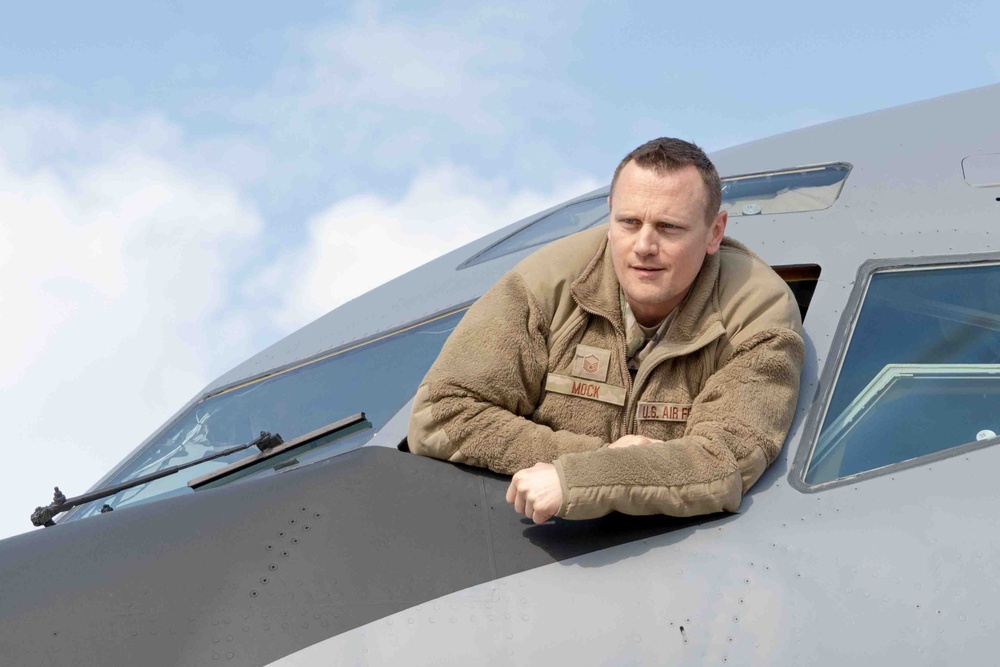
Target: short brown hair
[665,155]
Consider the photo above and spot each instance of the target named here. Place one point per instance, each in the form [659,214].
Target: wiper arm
[42,516]
[319,438]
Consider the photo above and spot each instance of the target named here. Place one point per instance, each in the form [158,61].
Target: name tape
[595,391]
[663,412]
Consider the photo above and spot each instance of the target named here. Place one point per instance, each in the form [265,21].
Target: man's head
[665,218]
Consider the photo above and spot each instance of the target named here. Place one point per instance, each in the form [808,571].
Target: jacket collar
[698,322]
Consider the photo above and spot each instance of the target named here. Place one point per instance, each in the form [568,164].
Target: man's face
[659,237]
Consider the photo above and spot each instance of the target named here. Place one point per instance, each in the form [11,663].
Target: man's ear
[717,231]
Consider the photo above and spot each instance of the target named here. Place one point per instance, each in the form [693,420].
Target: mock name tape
[662,412]
[595,391]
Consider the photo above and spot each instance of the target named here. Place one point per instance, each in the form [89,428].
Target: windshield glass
[567,220]
[376,378]
[921,373]
[785,191]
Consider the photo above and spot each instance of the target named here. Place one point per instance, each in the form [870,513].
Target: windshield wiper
[42,516]
[321,437]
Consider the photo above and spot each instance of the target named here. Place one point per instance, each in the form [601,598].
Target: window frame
[835,362]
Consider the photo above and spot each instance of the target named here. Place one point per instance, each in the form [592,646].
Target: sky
[184,183]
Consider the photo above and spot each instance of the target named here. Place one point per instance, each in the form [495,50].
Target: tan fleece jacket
[536,371]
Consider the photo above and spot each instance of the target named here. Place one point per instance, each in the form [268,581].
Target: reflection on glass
[567,220]
[376,378]
[921,373]
[785,191]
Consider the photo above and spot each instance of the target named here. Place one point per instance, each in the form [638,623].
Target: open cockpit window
[377,377]
[801,279]
[920,378]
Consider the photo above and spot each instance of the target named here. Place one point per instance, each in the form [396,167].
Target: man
[650,366]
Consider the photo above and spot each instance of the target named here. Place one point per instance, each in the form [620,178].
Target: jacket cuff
[565,489]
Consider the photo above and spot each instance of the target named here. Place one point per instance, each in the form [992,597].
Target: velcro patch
[596,391]
[662,412]
[591,363]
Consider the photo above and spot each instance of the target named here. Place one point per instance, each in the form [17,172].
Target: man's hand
[536,492]
[631,441]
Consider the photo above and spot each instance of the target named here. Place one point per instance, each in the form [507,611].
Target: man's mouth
[647,270]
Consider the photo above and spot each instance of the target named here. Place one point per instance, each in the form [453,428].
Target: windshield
[376,378]
[921,374]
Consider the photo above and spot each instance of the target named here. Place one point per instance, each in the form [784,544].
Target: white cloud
[114,276]
[388,93]
[366,240]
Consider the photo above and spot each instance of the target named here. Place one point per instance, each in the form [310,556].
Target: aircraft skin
[376,556]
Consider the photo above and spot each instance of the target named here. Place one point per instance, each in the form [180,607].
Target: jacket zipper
[643,374]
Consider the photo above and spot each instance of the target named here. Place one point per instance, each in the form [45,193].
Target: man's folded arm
[736,428]
[472,406]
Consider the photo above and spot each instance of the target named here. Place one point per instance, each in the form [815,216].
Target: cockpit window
[563,222]
[921,374]
[376,377]
[786,191]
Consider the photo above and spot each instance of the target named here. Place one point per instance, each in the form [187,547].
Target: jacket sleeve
[473,405]
[735,430]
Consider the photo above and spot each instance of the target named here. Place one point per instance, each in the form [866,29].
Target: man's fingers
[539,516]
[511,490]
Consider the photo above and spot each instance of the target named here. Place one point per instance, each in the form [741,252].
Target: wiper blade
[315,438]
[42,516]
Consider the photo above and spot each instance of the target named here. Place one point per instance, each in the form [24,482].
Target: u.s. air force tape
[663,412]
[596,391]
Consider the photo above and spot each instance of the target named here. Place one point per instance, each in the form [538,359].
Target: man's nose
[646,244]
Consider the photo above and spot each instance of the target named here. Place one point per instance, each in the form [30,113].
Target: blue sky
[183,183]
